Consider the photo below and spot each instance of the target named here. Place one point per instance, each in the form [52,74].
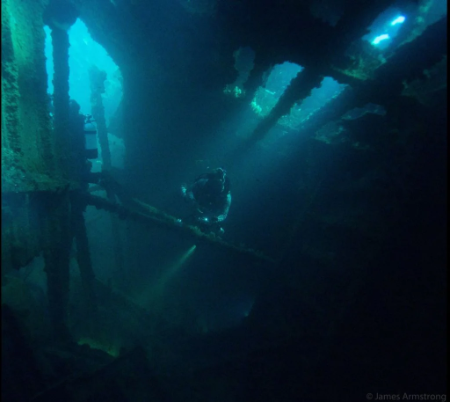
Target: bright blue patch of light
[386,26]
[399,20]
[49,59]
[304,110]
[280,77]
[278,80]
[84,52]
[380,38]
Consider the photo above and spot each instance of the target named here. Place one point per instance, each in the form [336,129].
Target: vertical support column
[57,246]
[60,40]
[84,257]
[58,232]
[97,79]
[80,171]
[57,227]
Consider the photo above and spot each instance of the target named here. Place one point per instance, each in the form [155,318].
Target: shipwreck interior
[329,282]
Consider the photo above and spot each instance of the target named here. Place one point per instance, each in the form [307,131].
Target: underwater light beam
[185,256]
[156,291]
[172,270]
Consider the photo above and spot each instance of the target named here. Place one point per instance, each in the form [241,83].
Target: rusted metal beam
[154,218]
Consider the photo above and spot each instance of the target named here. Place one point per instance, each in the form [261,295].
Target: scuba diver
[210,193]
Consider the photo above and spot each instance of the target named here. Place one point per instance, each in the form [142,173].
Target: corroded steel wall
[30,158]
[28,149]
